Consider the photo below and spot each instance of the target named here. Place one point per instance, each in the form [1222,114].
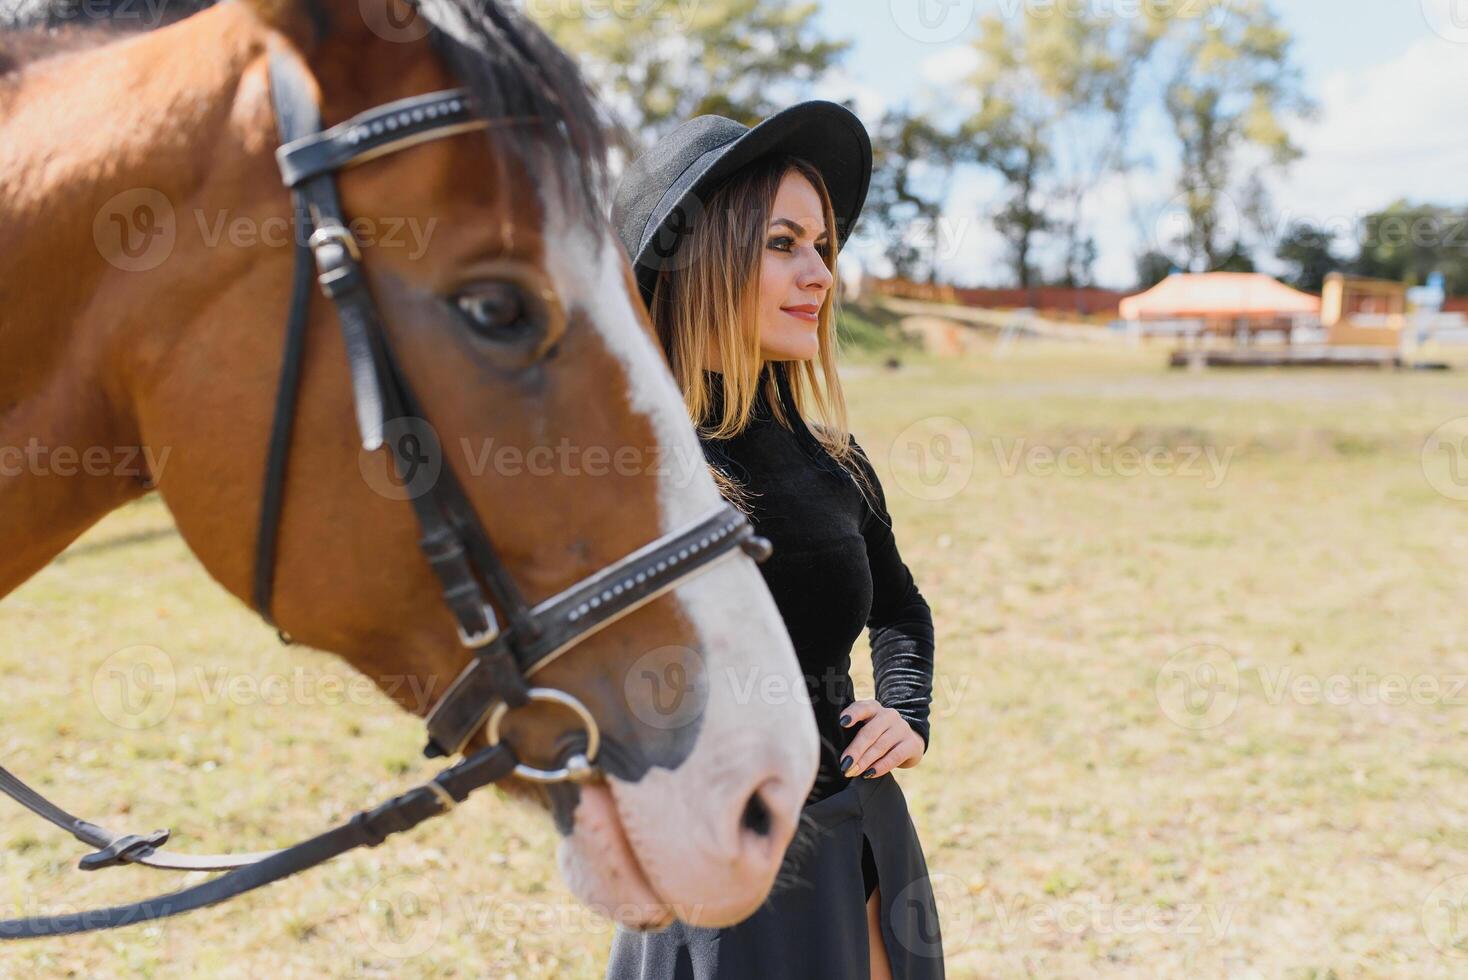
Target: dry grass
[1078,819]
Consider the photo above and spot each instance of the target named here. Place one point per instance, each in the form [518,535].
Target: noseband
[503,658]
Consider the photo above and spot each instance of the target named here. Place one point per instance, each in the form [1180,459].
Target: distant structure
[1221,304]
[1429,299]
[1363,312]
[1058,302]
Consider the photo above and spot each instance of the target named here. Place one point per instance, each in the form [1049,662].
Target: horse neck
[90,142]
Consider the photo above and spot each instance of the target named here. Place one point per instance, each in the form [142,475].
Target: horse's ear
[307,22]
[300,20]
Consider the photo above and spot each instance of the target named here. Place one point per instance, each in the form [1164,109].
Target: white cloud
[949,65]
[838,85]
[1388,131]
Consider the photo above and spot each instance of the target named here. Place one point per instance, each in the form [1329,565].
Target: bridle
[504,658]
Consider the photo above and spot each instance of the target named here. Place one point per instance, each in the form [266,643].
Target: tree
[912,167]
[1309,252]
[669,61]
[1152,268]
[1055,97]
[1228,85]
[1237,260]
[1407,242]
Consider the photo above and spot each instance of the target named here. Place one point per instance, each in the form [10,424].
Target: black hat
[663,191]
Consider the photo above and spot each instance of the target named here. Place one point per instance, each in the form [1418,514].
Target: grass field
[1200,707]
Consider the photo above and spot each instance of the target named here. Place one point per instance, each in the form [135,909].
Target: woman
[734,233]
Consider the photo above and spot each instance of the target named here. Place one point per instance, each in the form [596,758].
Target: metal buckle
[477,641]
[340,234]
[579,767]
[123,850]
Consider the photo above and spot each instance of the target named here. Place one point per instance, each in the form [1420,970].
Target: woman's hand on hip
[885,741]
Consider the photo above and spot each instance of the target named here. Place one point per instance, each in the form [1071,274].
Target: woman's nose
[815,275]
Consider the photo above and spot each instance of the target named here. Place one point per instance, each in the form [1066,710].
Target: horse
[146,267]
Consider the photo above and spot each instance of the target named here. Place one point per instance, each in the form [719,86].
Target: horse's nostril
[756,816]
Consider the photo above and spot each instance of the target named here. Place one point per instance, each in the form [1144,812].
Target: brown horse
[145,273]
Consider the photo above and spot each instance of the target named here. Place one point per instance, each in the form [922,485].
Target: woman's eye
[786,244]
[495,310]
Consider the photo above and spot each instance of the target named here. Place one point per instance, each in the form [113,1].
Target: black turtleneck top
[835,569]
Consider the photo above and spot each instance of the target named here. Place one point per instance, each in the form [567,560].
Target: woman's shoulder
[832,436]
[858,467]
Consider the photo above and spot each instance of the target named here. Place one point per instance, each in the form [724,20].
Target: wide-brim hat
[663,191]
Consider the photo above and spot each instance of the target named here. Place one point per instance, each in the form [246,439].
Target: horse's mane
[509,65]
[513,69]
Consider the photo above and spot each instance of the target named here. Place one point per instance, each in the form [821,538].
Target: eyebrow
[795,226]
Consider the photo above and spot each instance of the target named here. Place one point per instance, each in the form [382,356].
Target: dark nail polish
[845,720]
[845,762]
[869,773]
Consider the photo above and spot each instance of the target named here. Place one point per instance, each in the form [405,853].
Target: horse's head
[512,315]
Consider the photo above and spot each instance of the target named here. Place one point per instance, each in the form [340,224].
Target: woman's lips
[801,314]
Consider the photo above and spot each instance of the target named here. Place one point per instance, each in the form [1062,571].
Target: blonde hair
[709,302]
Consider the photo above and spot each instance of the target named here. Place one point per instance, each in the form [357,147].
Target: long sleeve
[900,627]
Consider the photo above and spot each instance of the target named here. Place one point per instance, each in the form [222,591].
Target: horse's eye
[497,311]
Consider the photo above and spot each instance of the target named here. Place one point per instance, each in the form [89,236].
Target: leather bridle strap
[592,604]
[272,496]
[367,829]
[114,849]
[451,540]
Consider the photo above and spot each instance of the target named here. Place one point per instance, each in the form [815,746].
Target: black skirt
[815,928]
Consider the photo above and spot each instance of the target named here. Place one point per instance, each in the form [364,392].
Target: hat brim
[826,134]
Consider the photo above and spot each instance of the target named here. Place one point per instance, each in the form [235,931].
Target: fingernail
[845,762]
[845,720]
[869,773]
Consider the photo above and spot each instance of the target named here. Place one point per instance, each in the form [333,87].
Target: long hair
[709,302]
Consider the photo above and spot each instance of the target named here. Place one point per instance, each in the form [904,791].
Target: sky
[1390,78]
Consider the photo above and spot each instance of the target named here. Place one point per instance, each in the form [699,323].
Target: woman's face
[793,280]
